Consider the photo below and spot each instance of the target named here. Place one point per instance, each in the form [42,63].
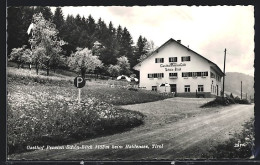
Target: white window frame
[200,88]
[173,59]
[154,88]
[186,88]
[185,58]
[159,60]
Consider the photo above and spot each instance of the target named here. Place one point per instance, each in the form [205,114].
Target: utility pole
[241,90]
[224,73]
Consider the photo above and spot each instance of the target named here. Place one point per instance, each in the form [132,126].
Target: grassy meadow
[44,110]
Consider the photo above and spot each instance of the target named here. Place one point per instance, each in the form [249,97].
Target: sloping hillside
[233,84]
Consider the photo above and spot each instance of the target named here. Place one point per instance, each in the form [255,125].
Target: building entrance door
[173,88]
[217,90]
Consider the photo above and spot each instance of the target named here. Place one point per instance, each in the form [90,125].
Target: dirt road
[174,128]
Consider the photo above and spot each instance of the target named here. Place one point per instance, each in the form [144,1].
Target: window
[184,74]
[187,88]
[159,60]
[218,78]
[155,75]
[199,74]
[200,88]
[186,58]
[212,75]
[154,88]
[194,74]
[172,59]
[173,75]
[204,73]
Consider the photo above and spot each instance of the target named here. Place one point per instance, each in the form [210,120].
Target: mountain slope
[233,84]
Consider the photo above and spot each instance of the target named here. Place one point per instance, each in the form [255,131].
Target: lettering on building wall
[173,69]
[172,65]
[177,66]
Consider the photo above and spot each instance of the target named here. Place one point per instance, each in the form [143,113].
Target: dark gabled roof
[172,40]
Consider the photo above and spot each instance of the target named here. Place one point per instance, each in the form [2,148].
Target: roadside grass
[45,111]
[240,146]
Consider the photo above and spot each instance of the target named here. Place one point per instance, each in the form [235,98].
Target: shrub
[219,101]
[244,101]
[132,89]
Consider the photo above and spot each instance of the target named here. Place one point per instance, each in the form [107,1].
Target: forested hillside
[233,84]
[105,41]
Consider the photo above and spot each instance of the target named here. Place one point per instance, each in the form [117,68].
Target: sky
[206,30]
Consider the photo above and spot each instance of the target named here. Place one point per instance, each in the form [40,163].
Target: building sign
[169,67]
[172,65]
[173,69]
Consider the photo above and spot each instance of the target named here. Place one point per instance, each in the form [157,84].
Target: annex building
[174,67]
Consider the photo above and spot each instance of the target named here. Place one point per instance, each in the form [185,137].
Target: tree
[143,49]
[18,21]
[46,12]
[58,20]
[45,41]
[114,70]
[20,56]
[83,61]
[124,65]
[69,27]
[126,46]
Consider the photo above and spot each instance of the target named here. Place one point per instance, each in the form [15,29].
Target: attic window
[172,59]
[159,60]
[185,58]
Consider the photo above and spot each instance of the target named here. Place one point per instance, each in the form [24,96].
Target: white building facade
[186,73]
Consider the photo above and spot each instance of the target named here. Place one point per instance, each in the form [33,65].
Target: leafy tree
[38,54]
[124,65]
[20,56]
[83,61]
[44,38]
[114,70]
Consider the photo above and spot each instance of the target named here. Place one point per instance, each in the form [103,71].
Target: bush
[219,101]
[237,99]
[132,89]
[243,101]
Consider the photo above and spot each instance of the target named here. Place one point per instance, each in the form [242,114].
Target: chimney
[179,41]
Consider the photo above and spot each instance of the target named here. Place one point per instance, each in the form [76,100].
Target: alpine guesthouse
[176,68]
